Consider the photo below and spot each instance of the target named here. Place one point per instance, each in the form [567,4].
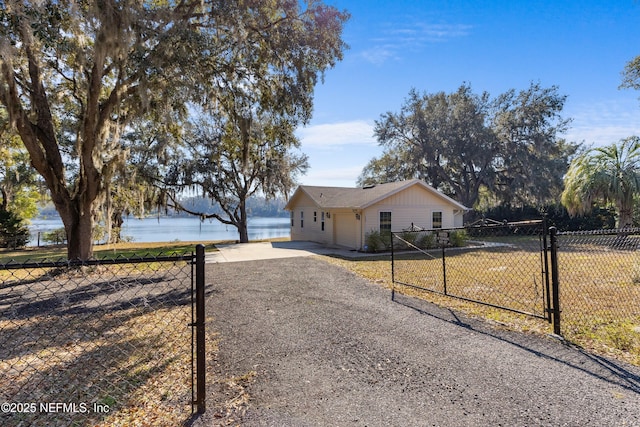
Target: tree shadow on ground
[125,340]
[610,371]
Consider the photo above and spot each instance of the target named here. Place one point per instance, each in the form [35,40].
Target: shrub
[373,241]
[426,240]
[408,240]
[13,233]
[458,238]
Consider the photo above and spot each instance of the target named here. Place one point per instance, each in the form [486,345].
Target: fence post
[444,269]
[555,281]
[393,271]
[545,257]
[200,331]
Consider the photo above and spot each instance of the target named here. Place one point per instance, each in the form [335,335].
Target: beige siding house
[343,216]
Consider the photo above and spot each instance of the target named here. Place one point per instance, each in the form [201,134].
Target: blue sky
[579,46]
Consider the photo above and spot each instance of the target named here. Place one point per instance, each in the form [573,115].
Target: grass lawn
[55,253]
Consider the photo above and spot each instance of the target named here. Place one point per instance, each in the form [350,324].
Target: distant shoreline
[176,228]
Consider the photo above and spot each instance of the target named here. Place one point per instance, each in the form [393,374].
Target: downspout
[361,214]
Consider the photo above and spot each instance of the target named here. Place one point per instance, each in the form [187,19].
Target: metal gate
[503,265]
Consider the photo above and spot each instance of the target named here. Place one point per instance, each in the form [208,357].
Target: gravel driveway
[330,349]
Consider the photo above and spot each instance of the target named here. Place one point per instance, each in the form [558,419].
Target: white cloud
[421,32]
[333,177]
[605,123]
[394,39]
[331,135]
[379,54]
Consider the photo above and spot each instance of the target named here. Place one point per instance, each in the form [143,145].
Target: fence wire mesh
[599,275]
[509,266]
[102,344]
[500,265]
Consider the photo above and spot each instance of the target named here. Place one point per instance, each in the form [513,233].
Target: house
[343,216]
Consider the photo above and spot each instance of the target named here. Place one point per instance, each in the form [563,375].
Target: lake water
[169,229]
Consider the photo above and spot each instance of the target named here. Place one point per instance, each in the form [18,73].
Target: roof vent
[366,187]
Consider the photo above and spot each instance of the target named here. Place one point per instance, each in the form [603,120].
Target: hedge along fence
[413,238]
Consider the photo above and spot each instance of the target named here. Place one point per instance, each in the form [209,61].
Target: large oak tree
[234,157]
[464,143]
[74,74]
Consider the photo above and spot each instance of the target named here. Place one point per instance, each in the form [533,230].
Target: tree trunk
[625,216]
[78,224]
[5,200]
[116,227]
[243,226]
[244,233]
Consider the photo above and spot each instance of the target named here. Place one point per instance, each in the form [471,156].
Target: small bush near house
[408,240]
[426,241]
[458,238]
[374,241]
[13,233]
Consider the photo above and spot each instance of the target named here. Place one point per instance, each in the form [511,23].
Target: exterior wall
[312,229]
[458,218]
[415,205]
[347,228]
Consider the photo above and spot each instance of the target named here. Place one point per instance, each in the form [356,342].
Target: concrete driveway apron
[239,252]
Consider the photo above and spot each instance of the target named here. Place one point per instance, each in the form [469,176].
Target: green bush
[426,240]
[375,241]
[408,237]
[458,238]
[13,233]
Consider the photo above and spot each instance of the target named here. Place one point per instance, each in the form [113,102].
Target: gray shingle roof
[360,198]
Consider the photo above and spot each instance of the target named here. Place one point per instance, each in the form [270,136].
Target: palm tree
[606,174]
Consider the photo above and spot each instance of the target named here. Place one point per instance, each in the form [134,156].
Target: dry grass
[116,337]
[600,294]
[600,297]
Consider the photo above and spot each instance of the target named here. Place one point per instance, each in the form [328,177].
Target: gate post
[555,281]
[545,266]
[200,331]
[444,269]
[393,270]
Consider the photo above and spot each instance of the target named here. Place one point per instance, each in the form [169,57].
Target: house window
[322,221]
[315,216]
[385,223]
[301,219]
[291,216]
[436,219]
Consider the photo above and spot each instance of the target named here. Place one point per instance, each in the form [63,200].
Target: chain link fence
[586,283]
[599,278]
[101,343]
[500,265]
